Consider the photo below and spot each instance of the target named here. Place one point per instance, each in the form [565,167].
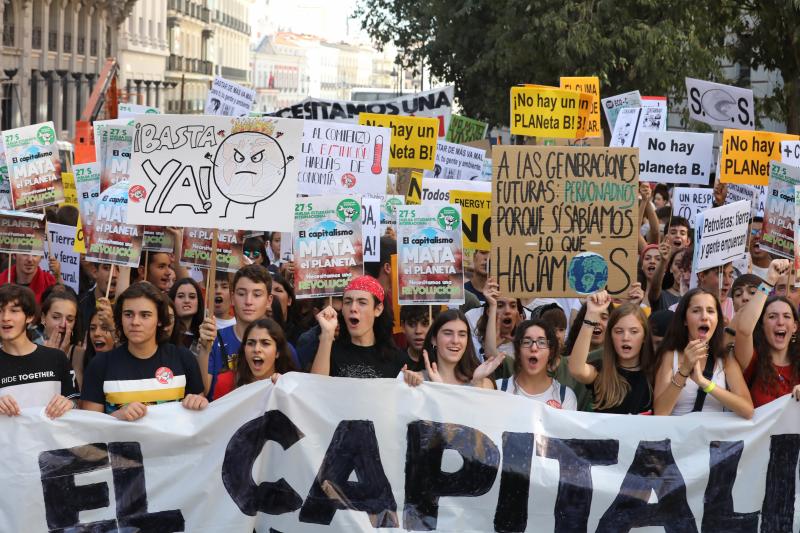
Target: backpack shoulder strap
[504,385]
[562,392]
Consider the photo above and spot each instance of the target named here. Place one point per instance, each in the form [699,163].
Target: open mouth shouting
[781,334]
[257,362]
[703,331]
[100,345]
[626,349]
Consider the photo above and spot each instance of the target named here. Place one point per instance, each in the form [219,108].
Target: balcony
[223,19]
[189,65]
[190,9]
[52,41]
[235,74]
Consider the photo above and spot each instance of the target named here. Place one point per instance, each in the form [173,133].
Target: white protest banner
[790,152]
[125,110]
[438,190]
[635,121]
[212,172]
[33,166]
[62,240]
[343,159]
[613,104]
[315,454]
[370,230]
[720,235]
[755,194]
[430,254]
[778,227]
[436,103]
[230,99]
[720,105]
[688,202]
[675,157]
[327,245]
[456,162]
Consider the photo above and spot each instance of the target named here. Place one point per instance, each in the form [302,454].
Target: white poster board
[720,105]
[675,157]
[688,202]
[456,162]
[720,235]
[230,99]
[62,240]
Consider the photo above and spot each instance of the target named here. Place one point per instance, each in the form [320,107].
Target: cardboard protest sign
[62,242]
[463,130]
[197,244]
[229,99]
[430,254]
[22,233]
[688,202]
[675,157]
[327,245]
[438,190]
[564,220]
[370,230]
[590,85]
[34,167]
[343,159]
[614,104]
[413,139]
[456,162]
[755,194]
[125,110]
[436,103]
[87,187]
[117,160]
[720,105]
[156,239]
[550,112]
[790,152]
[586,141]
[389,213]
[214,172]
[720,235]
[634,121]
[745,155]
[778,227]
[476,217]
[114,240]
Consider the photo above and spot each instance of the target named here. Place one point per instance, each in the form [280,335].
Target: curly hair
[765,370]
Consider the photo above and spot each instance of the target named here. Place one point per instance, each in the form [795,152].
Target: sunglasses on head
[252,253]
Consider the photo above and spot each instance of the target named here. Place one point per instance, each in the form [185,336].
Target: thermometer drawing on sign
[377,155]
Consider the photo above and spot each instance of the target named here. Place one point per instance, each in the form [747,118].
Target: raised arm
[585,373]
[322,361]
[491,291]
[654,287]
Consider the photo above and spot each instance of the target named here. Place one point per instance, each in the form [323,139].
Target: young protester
[648,220]
[678,232]
[759,259]
[252,297]
[101,273]
[145,369]
[416,321]
[661,196]
[189,310]
[788,288]
[450,357]
[649,260]
[664,290]
[26,272]
[264,353]
[100,337]
[255,249]
[509,313]
[536,357]
[274,249]
[364,347]
[480,262]
[222,300]
[694,371]
[30,375]
[62,328]
[743,290]
[766,341]
[711,282]
[621,380]
[283,294]
[556,318]
[381,269]
[658,322]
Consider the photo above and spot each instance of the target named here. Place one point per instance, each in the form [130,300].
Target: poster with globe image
[327,245]
[430,254]
[564,220]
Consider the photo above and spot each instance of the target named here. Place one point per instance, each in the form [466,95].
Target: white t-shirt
[551,397]
[225,322]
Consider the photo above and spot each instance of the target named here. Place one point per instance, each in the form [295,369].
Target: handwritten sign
[33,166]
[675,157]
[463,129]
[778,227]
[755,194]
[549,112]
[456,162]
[688,202]
[229,99]
[62,242]
[413,139]
[790,152]
[564,220]
[745,155]
[720,235]
[476,217]
[591,85]
[430,254]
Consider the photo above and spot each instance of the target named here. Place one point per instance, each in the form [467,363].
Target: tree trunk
[792,91]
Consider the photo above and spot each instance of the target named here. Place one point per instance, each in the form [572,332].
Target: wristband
[590,323]
[729,330]
[682,374]
[765,287]
[711,386]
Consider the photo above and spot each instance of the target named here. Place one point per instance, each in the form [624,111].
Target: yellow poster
[70,193]
[413,139]
[539,111]
[745,155]
[80,244]
[414,194]
[591,85]
[476,216]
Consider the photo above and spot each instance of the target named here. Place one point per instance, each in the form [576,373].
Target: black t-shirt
[416,366]
[639,398]
[351,361]
[117,377]
[33,379]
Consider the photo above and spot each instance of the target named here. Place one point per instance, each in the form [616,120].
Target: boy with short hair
[222,300]
[30,375]
[679,232]
[416,321]
[26,272]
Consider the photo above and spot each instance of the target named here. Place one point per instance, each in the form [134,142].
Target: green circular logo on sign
[151,111]
[448,218]
[392,203]
[348,210]
[45,135]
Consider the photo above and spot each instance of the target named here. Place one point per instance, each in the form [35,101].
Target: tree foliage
[486,46]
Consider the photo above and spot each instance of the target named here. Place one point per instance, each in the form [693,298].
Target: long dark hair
[466,366]
[381,328]
[283,355]
[677,336]
[480,326]
[553,357]
[765,370]
[194,327]
[65,293]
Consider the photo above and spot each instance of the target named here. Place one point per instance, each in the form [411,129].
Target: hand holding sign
[777,269]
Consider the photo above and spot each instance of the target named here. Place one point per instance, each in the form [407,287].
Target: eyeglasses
[541,343]
[252,253]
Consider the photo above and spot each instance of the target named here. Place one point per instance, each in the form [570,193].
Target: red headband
[366,283]
[648,248]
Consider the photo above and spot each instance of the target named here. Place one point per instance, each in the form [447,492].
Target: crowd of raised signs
[131,337]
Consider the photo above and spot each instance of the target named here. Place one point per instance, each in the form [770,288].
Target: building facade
[143,53]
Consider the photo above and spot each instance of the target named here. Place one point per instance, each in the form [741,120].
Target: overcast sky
[326,18]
